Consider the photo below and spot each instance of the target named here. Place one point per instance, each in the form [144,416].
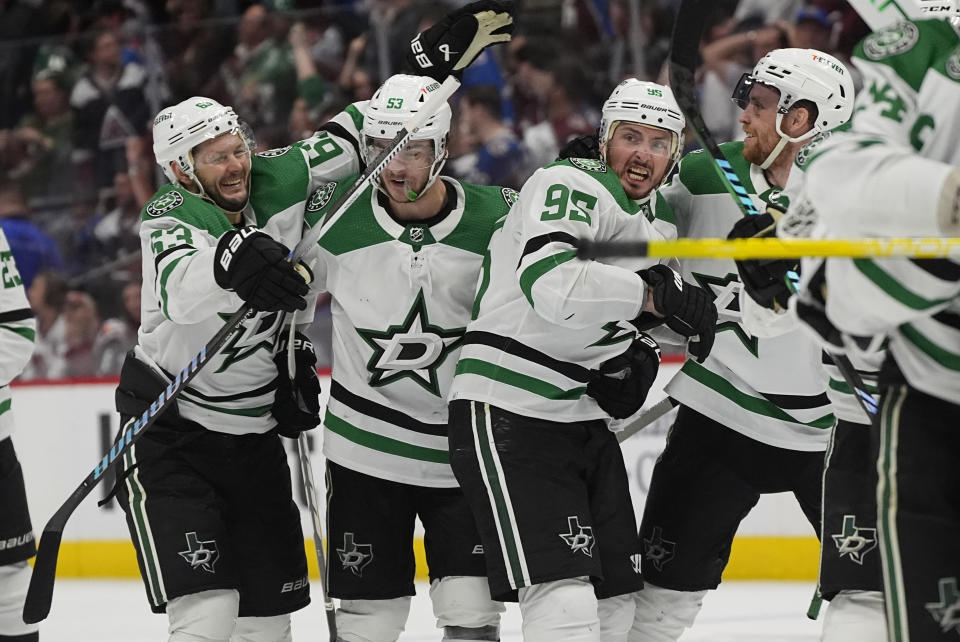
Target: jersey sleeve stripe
[513,347]
[5,405]
[258,411]
[894,288]
[168,252]
[530,275]
[944,357]
[383,413]
[538,242]
[27,333]
[164,276]
[338,130]
[16,315]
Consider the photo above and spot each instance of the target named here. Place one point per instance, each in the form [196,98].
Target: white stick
[646,418]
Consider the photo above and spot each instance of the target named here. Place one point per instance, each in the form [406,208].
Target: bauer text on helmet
[204,146]
[641,134]
[802,78]
[416,166]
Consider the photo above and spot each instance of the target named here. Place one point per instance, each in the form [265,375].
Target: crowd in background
[83,80]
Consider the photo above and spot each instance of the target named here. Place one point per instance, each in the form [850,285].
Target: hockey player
[909,99]
[401,264]
[17,545]
[754,417]
[551,355]
[207,489]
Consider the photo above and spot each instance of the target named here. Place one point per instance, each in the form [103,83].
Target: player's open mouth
[638,174]
[232,186]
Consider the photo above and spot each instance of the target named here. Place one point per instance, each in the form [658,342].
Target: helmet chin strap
[784,139]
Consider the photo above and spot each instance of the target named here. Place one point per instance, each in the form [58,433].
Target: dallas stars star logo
[578,538]
[354,557]
[254,333]
[412,349]
[726,296]
[854,541]
[658,550]
[947,611]
[613,334]
[200,554]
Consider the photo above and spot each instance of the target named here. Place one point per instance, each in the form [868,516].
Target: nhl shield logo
[162,205]
[320,197]
[416,234]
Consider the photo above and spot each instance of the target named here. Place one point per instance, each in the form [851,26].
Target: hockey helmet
[399,98]
[644,103]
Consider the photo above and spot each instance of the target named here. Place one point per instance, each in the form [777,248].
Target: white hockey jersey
[772,389]
[543,319]
[17,332]
[182,305]
[402,294]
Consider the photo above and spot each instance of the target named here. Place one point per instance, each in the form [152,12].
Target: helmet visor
[741,93]
[415,154]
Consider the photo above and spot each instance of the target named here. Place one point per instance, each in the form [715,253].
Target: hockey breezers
[40,593]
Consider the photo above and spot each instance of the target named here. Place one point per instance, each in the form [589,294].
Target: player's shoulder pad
[586,172]
[699,174]
[484,207]
[913,47]
[173,202]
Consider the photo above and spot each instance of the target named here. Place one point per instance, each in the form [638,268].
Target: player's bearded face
[406,176]
[222,166]
[759,121]
[639,155]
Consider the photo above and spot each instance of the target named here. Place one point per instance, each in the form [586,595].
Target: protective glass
[416,154]
[629,137]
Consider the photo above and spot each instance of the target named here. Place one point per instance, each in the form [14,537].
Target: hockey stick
[775,248]
[310,490]
[646,418]
[40,593]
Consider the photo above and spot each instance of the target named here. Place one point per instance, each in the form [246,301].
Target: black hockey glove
[621,384]
[255,266]
[449,46]
[687,309]
[586,146]
[296,405]
[769,282]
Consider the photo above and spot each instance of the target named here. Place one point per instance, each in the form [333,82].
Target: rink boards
[64,428]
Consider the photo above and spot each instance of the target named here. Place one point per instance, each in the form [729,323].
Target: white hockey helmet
[391,106]
[178,129]
[801,74]
[644,103]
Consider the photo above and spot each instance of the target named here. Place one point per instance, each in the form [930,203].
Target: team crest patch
[659,551]
[200,554]
[953,64]
[578,537]
[589,164]
[891,41]
[510,196]
[806,152]
[854,541]
[320,197]
[354,557]
[276,151]
[162,205]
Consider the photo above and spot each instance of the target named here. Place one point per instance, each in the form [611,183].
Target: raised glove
[621,384]
[586,146]
[296,405]
[255,266]
[687,309]
[769,282]
[447,47]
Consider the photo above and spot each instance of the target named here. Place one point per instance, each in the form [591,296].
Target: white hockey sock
[616,617]
[855,615]
[208,616]
[372,620]
[560,610]
[14,579]
[464,609]
[263,629]
[662,614]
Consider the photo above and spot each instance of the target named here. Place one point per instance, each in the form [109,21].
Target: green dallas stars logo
[413,349]
[254,333]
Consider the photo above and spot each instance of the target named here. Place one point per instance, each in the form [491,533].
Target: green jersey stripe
[841,386]
[518,380]
[163,281]
[748,402]
[894,288]
[384,444]
[27,333]
[944,357]
[530,275]
[257,411]
[4,406]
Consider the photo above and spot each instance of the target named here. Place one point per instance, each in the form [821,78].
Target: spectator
[191,50]
[82,323]
[500,158]
[37,152]
[258,79]
[109,107]
[355,81]
[107,237]
[32,248]
[813,29]
[47,296]
[118,335]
